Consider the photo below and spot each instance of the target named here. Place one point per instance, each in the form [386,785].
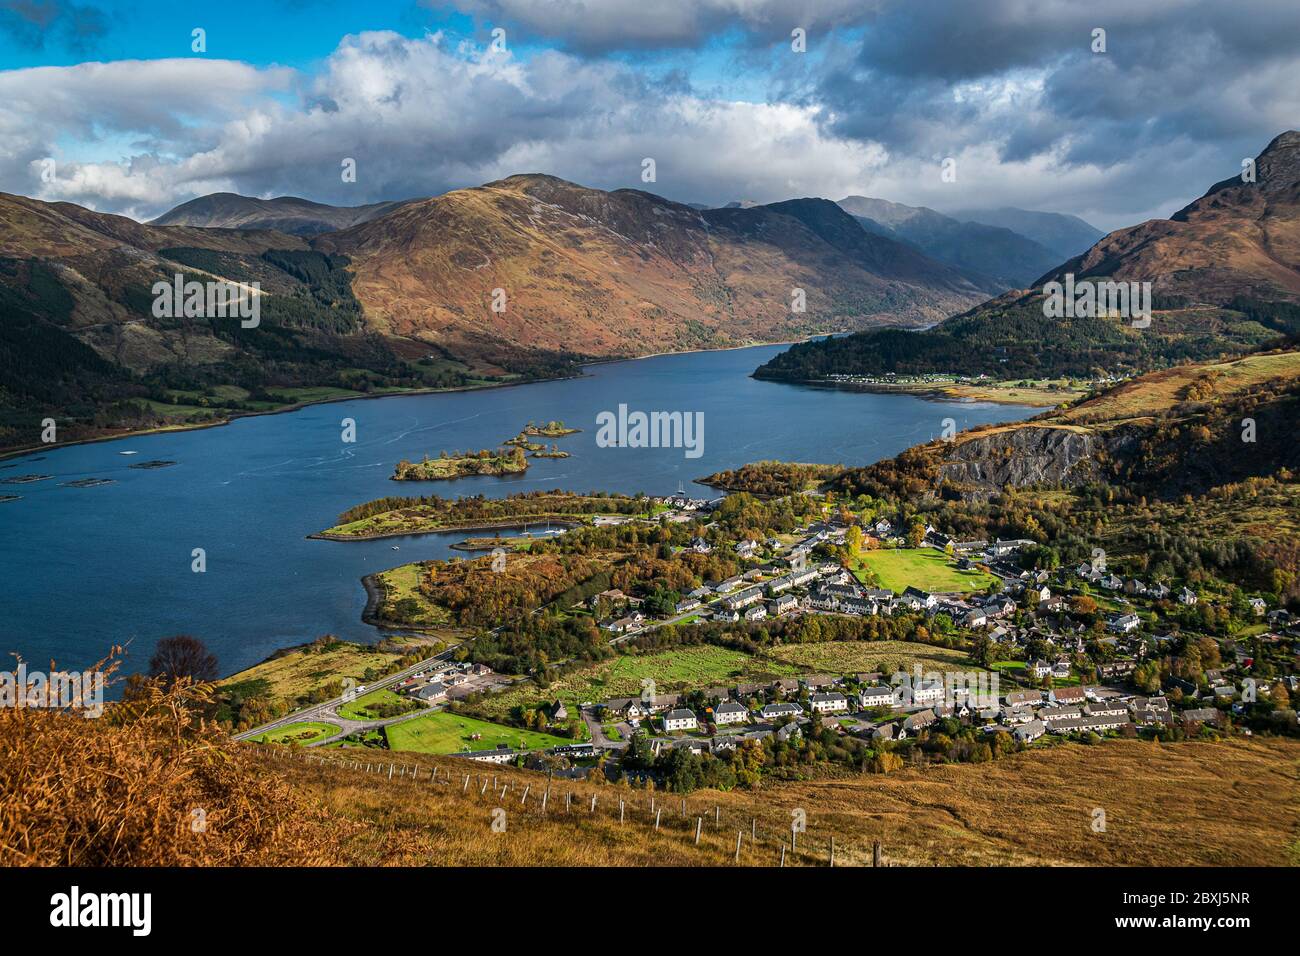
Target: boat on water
[128,453]
[396,548]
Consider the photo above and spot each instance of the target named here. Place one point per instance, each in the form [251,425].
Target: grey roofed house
[1049,713]
[1018,697]
[788,731]
[1030,731]
[1205,715]
[1100,722]
[919,720]
[680,713]
[434,691]
[730,707]
[884,732]
[690,743]
[771,711]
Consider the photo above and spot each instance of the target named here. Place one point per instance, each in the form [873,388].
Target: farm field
[443,732]
[853,657]
[924,568]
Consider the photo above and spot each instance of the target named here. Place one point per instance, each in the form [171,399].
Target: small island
[541,452]
[555,429]
[458,465]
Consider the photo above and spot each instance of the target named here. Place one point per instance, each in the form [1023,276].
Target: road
[325,709]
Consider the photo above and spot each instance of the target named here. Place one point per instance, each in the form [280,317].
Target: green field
[443,732]
[360,709]
[684,668]
[304,732]
[924,568]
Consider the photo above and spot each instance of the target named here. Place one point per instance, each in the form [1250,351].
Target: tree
[853,540]
[183,656]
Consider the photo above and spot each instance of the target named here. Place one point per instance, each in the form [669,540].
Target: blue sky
[587,89]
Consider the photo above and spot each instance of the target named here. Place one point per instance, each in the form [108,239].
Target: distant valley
[1224,278]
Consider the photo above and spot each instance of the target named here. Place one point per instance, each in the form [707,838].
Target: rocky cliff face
[1019,457]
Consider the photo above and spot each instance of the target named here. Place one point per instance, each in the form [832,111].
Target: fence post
[739,836]
[620,812]
[782,853]
[832,852]
[875,853]
[657,813]
[699,822]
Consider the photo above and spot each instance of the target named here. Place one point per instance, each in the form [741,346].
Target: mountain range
[1224,276]
[298,217]
[1007,257]
[402,295]
[530,275]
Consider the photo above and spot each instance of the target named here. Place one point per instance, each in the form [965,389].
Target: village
[1045,675]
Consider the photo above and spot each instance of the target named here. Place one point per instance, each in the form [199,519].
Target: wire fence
[745,838]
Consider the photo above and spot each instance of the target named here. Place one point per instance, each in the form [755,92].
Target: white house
[773,711]
[680,719]
[730,713]
[1038,668]
[828,703]
[1187,596]
[878,696]
[1123,623]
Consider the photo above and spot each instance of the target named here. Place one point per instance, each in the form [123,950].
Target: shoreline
[298,406]
[931,393]
[568,524]
[295,407]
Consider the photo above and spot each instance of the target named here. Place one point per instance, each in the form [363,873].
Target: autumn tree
[183,656]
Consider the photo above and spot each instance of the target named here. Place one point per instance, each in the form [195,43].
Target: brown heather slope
[626,272]
[1239,239]
[1186,804]
[121,792]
